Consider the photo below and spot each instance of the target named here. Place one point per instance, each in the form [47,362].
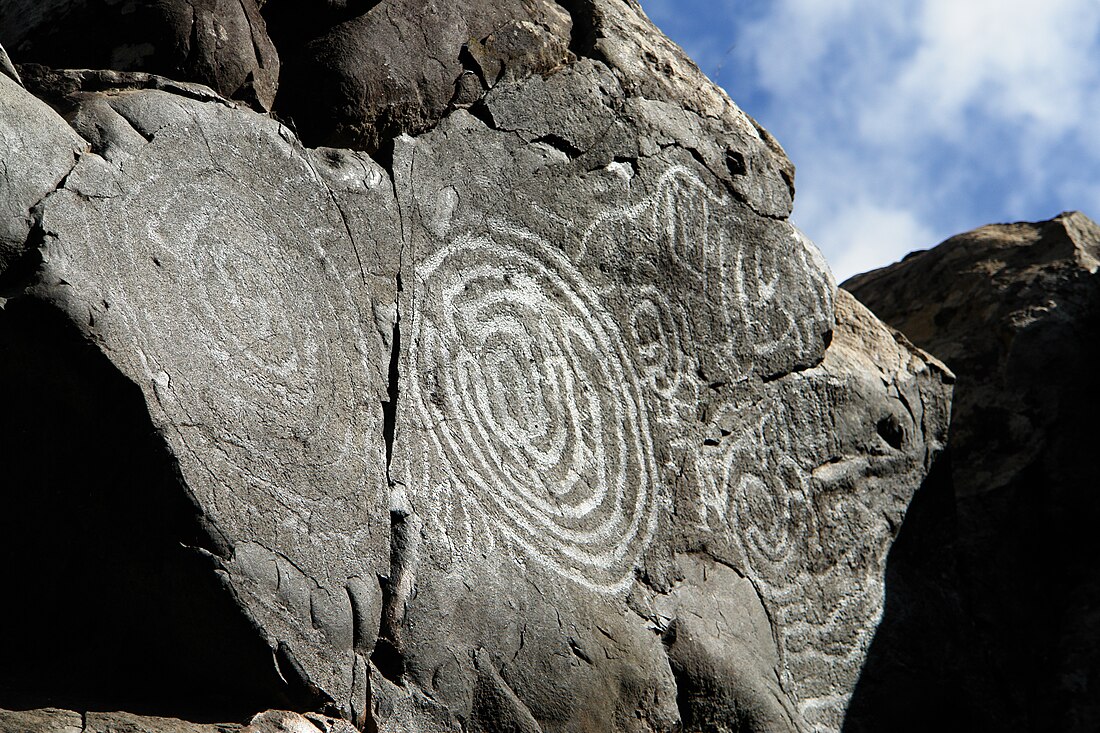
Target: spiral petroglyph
[532,408]
[250,329]
[794,536]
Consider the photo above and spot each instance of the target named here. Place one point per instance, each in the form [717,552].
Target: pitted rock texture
[545,419]
[1014,310]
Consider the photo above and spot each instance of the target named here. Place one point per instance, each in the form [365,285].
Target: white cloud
[909,119]
[870,235]
[1030,61]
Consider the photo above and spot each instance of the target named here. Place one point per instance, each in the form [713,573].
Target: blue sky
[911,120]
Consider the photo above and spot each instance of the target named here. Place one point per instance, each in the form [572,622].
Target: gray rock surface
[117,722]
[39,151]
[547,421]
[1014,309]
[55,720]
[213,262]
[45,720]
[7,67]
[220,43]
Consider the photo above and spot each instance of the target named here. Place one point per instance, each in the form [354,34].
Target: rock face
[54,720]
[220,43]
[400,66]
[543,419]
[39,151]
[1014,310]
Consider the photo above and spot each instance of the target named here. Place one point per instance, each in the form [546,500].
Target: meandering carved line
[768,302]
[533,408]
[824,594]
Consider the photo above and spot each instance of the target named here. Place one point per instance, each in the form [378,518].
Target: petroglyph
[535,428]
[532,387]
[713,301]
[536,390]
[760,305]
[804,542]
[655,327]
[248,336]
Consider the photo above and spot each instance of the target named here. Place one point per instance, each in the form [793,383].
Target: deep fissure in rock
[585,30]
[393,389]
[387,657]
[113,602]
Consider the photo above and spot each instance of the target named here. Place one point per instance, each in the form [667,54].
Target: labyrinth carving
[536,430]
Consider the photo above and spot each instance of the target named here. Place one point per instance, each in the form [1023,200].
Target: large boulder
[220,43]
[403,64]
[547,419]
[39,151]
[1014,310]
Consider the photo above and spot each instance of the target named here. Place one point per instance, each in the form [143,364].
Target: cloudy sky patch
[912,120]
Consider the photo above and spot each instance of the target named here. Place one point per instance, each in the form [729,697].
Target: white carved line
[536,410]
[221,347]
[765,496]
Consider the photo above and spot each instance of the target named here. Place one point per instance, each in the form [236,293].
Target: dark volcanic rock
[399,66]
[220,43]
[551,423]
[1015,309]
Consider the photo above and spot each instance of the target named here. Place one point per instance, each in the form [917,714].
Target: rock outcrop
[527,410]
[220,43]
[1014,309]
[54,720]
[402,65]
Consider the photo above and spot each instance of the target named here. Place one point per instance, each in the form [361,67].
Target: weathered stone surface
[39,151]
[396,68]
[128,723]
[53,720]
[220,43]
[214,264]
[644,290]
[286,721]
[554,422]
[1014,310]
[45,720]
[677,100]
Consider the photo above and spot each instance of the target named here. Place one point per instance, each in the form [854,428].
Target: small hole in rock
[891,431]
[735,162]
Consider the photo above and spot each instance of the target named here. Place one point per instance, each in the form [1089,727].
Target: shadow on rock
[112,596]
